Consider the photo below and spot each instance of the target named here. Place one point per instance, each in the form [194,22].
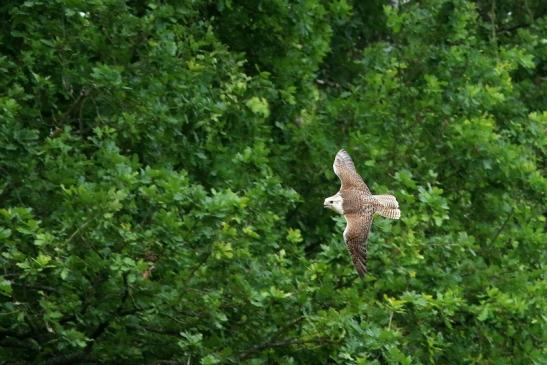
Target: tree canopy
[163,166]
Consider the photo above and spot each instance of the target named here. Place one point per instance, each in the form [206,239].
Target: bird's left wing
[345,170]
[355,236]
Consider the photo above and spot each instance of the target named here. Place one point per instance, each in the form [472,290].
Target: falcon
[357,204]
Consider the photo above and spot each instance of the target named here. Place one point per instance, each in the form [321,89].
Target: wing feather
[355,236]
[345,170]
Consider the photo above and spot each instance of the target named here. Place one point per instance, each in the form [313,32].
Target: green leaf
[259,106]
[5,287]
[210,360]
[484,314]
[5,233]
[43,260]
[294,235]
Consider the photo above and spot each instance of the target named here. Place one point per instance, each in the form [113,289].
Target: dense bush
[163,165]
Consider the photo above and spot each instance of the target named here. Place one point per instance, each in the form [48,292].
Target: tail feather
[389,213]
[389,207]
[387,201]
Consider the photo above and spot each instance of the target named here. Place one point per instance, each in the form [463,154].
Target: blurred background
[163,166]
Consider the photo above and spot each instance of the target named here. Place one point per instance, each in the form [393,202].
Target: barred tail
[388,207]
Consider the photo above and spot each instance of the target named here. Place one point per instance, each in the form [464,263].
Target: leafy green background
[163,166]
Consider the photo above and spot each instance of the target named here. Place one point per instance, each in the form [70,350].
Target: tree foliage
[163,165]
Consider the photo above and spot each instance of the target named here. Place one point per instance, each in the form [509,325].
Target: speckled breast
[355,201]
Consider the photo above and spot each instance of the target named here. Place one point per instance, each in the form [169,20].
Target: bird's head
[335,203]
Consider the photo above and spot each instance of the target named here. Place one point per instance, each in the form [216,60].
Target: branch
[286,327]
[502,227]
[273,341]
[273,344]
[57,360]
[101,328]
[68,359]
[14,340]
[170,362]
[198,266]
[165,332]
[515,27]
[84,93]
[80,228]
[34,287]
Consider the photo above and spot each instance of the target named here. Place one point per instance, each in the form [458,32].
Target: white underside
[345,230]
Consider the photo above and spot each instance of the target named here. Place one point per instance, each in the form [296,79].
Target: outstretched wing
[355,236]
[345,170]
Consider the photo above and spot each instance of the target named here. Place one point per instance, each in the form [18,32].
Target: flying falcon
[356,203]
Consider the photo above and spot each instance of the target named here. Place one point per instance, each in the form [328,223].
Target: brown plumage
[355,201]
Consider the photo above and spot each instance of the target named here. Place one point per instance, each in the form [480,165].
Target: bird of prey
[356,203]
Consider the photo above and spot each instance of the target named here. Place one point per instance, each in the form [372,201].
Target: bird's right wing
[345,170]
[355,236]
